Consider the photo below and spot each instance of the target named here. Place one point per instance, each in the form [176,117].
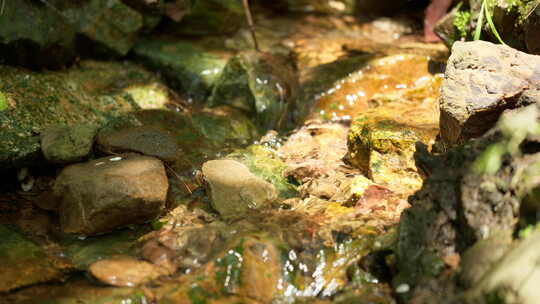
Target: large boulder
[234,190]
[110,192]
[481,81]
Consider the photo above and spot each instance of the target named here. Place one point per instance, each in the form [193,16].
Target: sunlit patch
[117,158]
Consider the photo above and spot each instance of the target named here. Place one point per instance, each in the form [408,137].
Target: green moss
[93,92]
[462,23]
[266,164]
[198,295]
[186,65]
[3,102]
[22,262]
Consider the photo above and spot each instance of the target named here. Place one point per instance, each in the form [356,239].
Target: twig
[249,18]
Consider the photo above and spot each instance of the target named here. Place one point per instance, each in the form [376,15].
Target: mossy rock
[188,66]
[265,163]
[29,28]
[260,84]
[22,262]
[384,150]
[110,23]
[94,92]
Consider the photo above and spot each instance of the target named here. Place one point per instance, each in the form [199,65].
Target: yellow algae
[403,77]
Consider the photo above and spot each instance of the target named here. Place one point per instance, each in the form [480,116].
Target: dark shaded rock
[32,34]
[446,30]
[481,81]
[147,140]
[211,17]
[124,271]
[64,144]
[367,7]
[110,192]
[488,203]
[109,23]
[190,67]
[93,92]
[261,84]
[434,231]
[531,30]
[50,27]
[234,189]
[22,262]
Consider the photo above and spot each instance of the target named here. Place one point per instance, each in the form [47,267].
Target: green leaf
[491,24]
[480,22]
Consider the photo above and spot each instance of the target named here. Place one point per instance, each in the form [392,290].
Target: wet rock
[41,32]
[261,84]
[67,144]
[265,163]
[234,189]
[514,279]
[22,262]
[482,257]
[147,140]
[200,134]
[481,81]
[110,192]
[83,252]
[188,66]
[384,151]
[123,271]
[260,270]
[94,92]
[77,290]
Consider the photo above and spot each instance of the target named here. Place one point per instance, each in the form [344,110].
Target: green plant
[486,13]
[461,22]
